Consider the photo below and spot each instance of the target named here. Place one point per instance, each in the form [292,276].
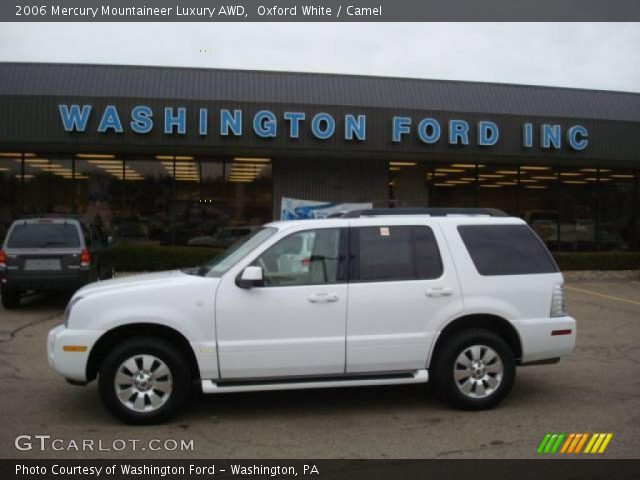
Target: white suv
[455,296]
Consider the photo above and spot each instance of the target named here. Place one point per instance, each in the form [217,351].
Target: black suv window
[506,250]
[44,235]
[395,253]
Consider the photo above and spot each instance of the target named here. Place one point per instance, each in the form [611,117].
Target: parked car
[459,297]
[50,253]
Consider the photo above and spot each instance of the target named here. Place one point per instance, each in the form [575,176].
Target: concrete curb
[601,274]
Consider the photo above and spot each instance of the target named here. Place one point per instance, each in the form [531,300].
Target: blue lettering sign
[231,121]
[550,136]
[294,119]
[322,126]
[488,133]
[110,120]
[401,126]
[527,135]
[458,130]
[355,126]
[74,119]
[427,125]
[141,121]
[577,136]
[179,120]
[202,124]
[264,124]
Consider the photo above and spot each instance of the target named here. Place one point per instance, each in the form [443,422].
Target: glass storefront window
[190,213]
[453,184]
[207,201]
[617,191]
[498,187]
[148,190]
[408,184]
[10,190]
[48,185]
[237,198]
[99,186]
[538,201]
[578,210]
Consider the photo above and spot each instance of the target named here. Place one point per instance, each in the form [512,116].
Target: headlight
[67,311]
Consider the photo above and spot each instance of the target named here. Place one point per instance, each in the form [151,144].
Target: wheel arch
[494,323]
[112,337]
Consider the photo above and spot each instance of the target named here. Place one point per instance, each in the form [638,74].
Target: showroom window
[498,187]
[454,184]
[408,184]
[148,190]
[538,201]
[10,190]
[617,201]
[237,197]
[99,190]
[48,185]
[577,210]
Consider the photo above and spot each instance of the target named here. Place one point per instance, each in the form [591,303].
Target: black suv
[43,254]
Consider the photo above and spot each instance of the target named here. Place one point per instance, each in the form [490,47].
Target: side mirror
[250,277]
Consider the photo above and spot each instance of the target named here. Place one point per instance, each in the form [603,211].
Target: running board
[418,376]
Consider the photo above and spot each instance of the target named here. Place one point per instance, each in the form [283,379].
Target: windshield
[219,265]
[44,235]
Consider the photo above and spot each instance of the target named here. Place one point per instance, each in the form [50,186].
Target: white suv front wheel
[144,380]
[474,369]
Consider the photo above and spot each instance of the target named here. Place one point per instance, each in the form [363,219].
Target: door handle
[323,298]
[439,292]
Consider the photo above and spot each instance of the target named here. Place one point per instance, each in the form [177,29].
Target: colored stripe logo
[574,443]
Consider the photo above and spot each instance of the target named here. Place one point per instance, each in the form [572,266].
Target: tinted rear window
[44,235]
[506,250]
[395,253]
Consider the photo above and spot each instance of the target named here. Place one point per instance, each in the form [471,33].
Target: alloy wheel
[478,371]
[143,383]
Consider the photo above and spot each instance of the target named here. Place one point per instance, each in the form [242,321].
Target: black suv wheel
[474,369]
[10,298]
[144,380]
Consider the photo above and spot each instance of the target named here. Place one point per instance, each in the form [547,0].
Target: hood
[123,282]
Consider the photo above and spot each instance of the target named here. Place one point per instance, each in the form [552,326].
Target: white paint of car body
[279,332]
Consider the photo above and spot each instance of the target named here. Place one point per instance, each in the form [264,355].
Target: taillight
[3,259]
[85,258]
[557,301]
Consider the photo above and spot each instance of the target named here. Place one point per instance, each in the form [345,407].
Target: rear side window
[44,235]
[506,250]
[395,253]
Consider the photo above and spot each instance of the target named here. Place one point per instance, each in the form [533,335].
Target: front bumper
[70,364]
[546,338]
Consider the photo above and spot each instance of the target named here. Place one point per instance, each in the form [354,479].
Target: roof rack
[433,212]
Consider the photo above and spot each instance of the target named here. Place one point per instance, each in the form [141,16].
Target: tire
[474,386]
[10,298]
[156,369]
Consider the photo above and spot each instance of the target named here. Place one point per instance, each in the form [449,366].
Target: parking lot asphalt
[597,389]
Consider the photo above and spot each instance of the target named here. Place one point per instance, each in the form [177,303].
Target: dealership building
[169,155]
